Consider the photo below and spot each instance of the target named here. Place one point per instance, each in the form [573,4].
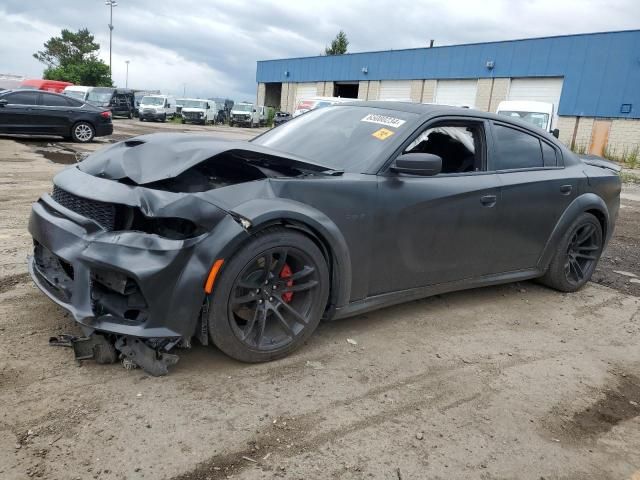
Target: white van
[199,110]
[157,107]
[244,114]
[77,91]
[540,114]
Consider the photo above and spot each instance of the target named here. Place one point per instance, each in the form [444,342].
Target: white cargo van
[77,91]
[157,107]
[244,114]
[540,114]
[199,110]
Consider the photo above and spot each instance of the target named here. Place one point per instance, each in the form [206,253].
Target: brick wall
[499,92]
[416,90]
[624,137]
[363,90]
[566,125]
[288,97]
[583,134]
[261,94]
[429,91]
[374,90]
[483,94]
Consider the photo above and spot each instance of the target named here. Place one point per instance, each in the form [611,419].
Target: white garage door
[395,90]
[536,89]
[456,92]
[304,91]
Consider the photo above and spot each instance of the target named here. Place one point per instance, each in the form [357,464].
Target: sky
[209,48]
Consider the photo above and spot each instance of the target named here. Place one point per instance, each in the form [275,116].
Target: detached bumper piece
[153,359]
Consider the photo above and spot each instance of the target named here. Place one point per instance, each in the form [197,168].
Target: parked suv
[34,112]
[120,101]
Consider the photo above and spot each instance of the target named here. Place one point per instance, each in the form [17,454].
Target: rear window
[516,149]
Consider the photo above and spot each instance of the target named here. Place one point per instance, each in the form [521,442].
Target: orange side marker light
[217,265]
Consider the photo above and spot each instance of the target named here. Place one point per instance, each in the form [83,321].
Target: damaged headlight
[173,228]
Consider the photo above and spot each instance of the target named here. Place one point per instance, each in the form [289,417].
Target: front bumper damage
[143,292]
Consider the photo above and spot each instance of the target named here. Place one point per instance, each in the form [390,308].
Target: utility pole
[126,82]
[184,89]
[110,4]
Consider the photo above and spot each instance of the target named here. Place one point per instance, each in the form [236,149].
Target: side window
[23,98]
[515,149]
[549,155]
[54,101]
[460,145]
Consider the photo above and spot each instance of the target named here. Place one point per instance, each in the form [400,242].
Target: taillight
[106,115]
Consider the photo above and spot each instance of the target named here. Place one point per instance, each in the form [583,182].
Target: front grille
[193,115]
[102,213]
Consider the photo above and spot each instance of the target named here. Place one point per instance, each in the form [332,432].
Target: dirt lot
[515,381]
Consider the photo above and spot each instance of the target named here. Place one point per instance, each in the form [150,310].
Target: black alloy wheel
[582,253]
[275,299]
[577,255]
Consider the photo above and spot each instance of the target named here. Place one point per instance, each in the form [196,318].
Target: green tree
[72,57]
[338,45]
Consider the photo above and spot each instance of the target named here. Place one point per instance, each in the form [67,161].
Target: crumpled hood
[158,156]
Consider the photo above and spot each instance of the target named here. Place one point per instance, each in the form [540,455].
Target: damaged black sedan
[156,240]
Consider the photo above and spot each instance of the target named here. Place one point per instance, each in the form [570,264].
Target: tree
[338,45]
[72,57]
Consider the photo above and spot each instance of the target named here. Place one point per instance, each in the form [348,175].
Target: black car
[281,117]
[160,238]
[34,112]
[120,101]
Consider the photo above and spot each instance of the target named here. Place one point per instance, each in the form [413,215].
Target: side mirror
[254,110]
[168,105]
[423,164]
[555,132]
[3,102]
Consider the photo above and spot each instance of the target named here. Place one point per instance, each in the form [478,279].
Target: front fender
[581,204]
[265,212]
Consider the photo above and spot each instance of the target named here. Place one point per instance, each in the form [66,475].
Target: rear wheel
[82,132]
[577,255]
[270,297]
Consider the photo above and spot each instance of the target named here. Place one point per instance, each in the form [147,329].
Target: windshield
[159,101]
[194,104]
[344,138]
[72,94]
[538,119]
[99,96]
[243,107]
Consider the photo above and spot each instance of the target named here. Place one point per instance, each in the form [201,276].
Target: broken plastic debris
[351,341]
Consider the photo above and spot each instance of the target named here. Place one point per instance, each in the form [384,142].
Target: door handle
[566,189]
[488,200]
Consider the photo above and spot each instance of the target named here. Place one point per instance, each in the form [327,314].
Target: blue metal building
[599,73]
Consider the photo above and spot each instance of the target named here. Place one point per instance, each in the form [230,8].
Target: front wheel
[576,256]
[270,297]
[82,132]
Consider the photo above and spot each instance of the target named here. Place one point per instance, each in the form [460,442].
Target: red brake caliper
[286,273]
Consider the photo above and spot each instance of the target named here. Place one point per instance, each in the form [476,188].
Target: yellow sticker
[382,134]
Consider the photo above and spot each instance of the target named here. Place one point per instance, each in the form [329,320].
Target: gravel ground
[515,381]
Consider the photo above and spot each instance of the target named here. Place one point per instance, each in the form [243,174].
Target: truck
[540,114]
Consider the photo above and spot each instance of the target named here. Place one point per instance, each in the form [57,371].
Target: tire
[141,119]
[83,132]
[130,116]
[183,121]
[231,124]
[576,256]
[164,118]
[250,323]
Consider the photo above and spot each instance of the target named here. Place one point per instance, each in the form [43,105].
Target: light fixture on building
[365,70]
[286,73]
[490,64]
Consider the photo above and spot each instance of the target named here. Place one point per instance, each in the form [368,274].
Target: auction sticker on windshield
[382,134]
[384,120]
